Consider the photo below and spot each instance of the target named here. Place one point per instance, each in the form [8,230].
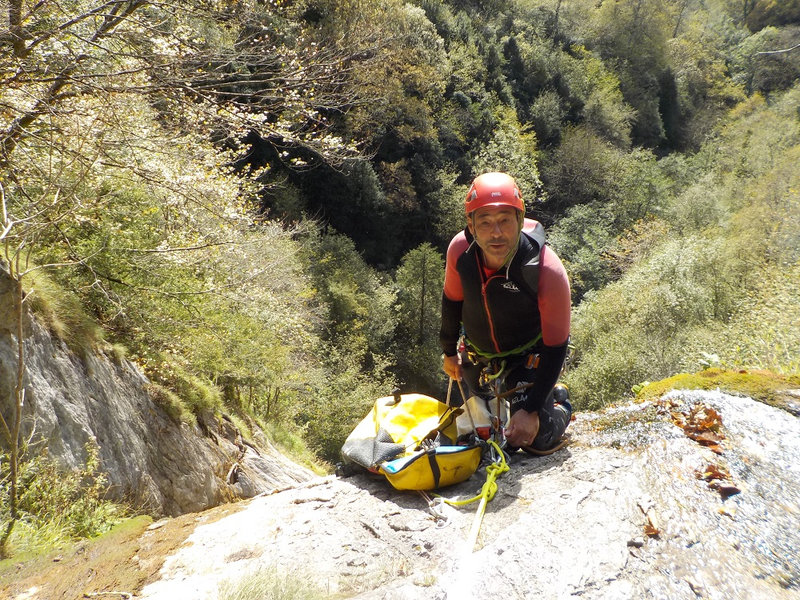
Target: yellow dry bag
[411,440]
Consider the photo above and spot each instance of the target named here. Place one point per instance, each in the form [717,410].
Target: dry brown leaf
[707,438]
[718,478]
[651,530]
[702,424]
[714,471]
[704,418]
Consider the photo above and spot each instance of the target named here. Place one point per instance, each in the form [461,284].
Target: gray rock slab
[569,525]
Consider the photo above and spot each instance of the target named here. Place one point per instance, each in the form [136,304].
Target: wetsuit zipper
[484,283]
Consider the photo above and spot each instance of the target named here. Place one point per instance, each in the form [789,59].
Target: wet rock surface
[632,508]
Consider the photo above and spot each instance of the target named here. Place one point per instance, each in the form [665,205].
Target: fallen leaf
[650,530]
[718,478]
[703,424]
[714,471]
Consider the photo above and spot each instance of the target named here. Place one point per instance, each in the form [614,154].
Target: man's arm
[451,325]
[452,302]
[554,309]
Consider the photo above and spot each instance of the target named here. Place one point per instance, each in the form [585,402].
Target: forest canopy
[252,199]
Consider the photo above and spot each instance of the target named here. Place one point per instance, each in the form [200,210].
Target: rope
[499,372]
[489,488]
[507,353]
[556,448]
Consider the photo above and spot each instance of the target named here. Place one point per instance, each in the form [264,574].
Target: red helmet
[494,189]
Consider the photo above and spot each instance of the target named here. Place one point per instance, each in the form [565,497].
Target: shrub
[56,506]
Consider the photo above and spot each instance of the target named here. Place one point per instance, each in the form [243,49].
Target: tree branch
[795,47]
[10,137]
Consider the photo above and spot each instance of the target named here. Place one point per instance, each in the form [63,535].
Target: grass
[765,386]
[62,313]
[70,571]
[54,506]
[269,583]
[292,445]
[124,559]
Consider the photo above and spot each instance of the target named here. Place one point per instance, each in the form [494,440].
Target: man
[511,295]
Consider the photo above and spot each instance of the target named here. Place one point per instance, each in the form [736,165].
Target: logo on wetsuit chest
[510,285]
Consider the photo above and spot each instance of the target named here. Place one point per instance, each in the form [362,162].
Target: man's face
[496,230]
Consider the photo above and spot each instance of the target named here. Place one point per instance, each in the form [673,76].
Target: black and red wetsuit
[522,308]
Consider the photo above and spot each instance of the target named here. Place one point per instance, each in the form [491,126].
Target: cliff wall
[164,466]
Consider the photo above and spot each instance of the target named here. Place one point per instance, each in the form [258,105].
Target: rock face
[164,466]
[627,510]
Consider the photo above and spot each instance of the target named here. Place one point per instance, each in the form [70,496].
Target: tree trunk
[12,432]
[15,28]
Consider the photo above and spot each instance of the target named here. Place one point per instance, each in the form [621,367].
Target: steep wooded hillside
[250,202]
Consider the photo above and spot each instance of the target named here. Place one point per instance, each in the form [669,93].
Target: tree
[12,267]
[756,65]
[512,149]
[419,280]
[632,36]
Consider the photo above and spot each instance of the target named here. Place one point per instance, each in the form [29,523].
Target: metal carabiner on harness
[492,371]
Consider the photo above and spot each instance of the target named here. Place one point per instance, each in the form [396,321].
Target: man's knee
[552,425]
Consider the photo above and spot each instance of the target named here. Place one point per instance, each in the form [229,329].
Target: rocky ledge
[693,496]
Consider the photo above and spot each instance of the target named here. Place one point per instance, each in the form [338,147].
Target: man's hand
[522,428]
[452,366]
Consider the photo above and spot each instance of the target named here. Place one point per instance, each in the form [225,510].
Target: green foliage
[57,507]
[197,395]
[419,280]
[773,12]
[770,71]
[584,239]
[290,440]
[632,36]
[611,191]
[511,150]
[337,402]
[547,114]
[598,88]
[448,206]
[764,331]
[358,300]
[170,402]
[700,60]
[722,278]
[62,313]
[353,352]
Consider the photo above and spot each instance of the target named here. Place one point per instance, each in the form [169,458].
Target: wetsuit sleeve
[451,325]
[554,299]
[452,297]
[554,308]
[551,359]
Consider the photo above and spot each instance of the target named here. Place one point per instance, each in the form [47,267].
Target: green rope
[489,489]
[507,353]
[499,372]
